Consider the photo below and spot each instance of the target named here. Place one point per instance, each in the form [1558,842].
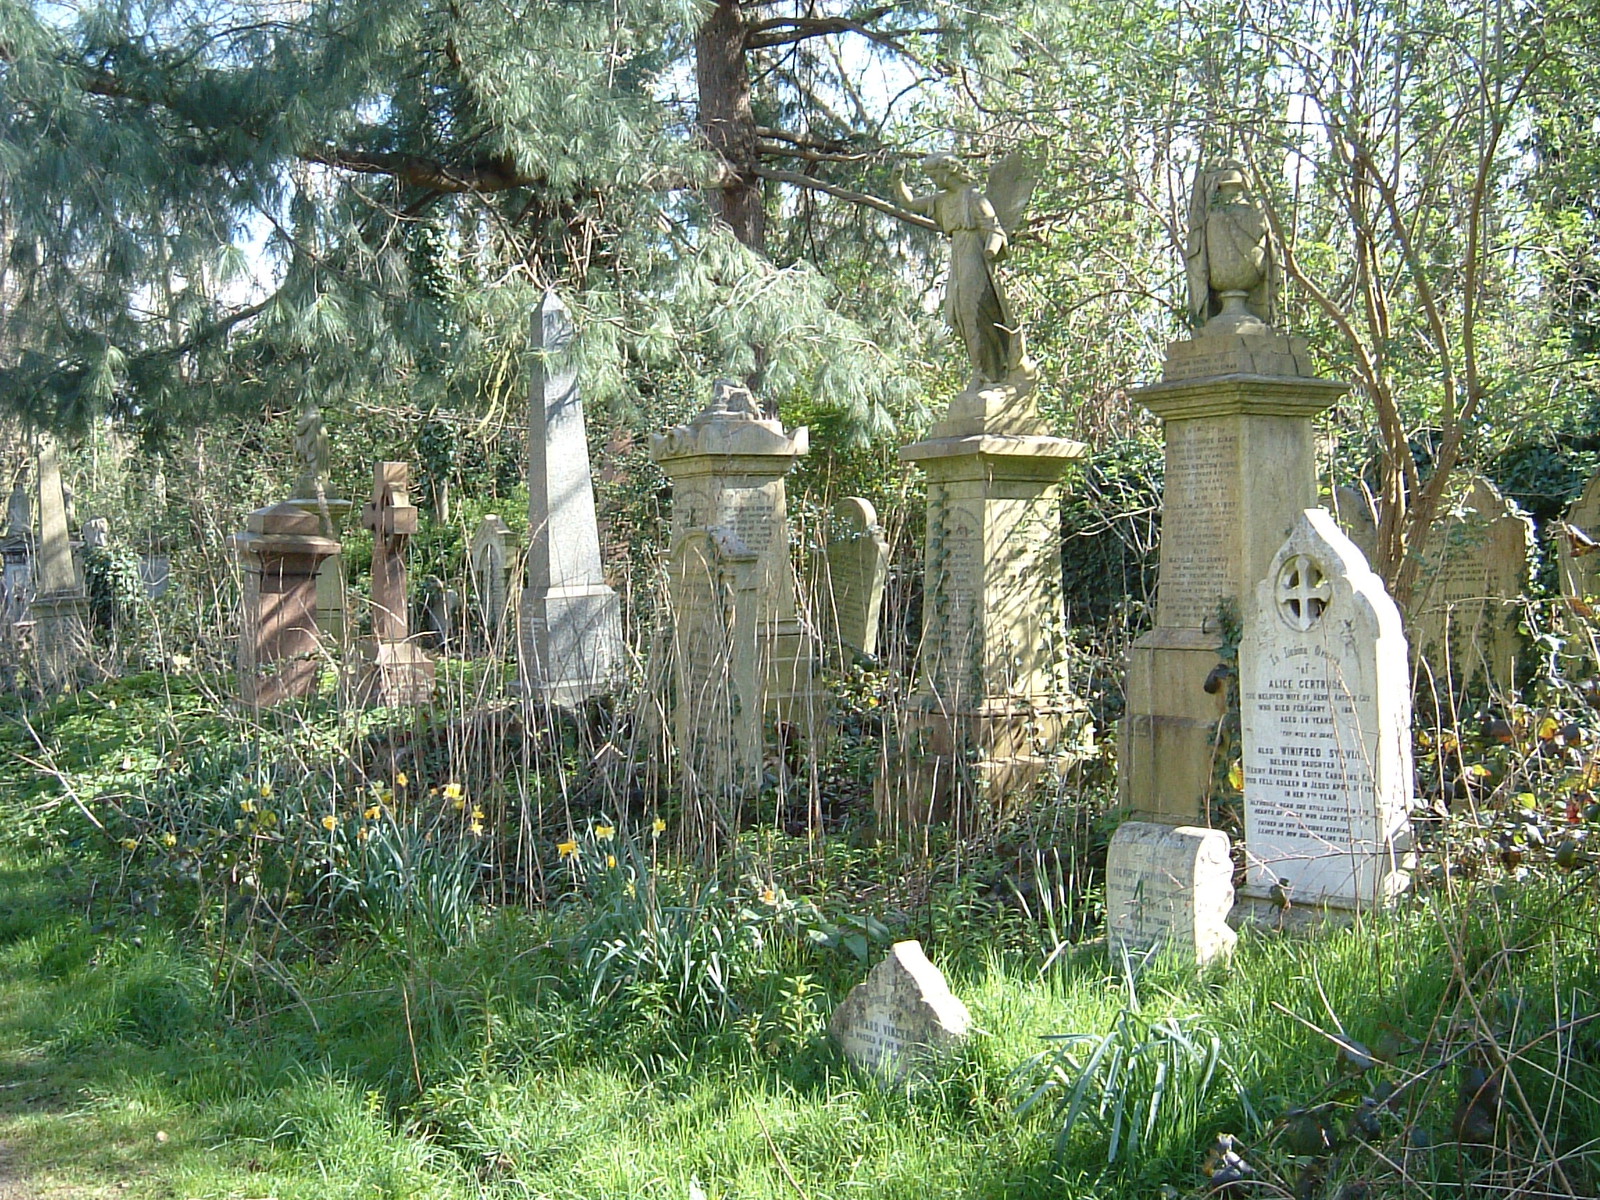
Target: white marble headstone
[900,1016]
[1325,707]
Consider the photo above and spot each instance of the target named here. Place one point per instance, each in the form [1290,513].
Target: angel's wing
[1011,183]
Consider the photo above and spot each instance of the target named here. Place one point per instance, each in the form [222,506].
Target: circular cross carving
[1303,592]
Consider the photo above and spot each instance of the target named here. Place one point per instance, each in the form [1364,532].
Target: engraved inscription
[1199,535]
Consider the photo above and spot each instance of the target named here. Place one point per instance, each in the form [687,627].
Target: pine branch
[833,189]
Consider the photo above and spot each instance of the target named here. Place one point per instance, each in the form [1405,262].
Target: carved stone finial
[313,450]
[1231,263]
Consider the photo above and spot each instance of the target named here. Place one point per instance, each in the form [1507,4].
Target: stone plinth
[332,599]
[901,1018]
[571,620]
[713,584]
[1325,712]
[1170,887]
[1240,468]
[727,468]
[989,706]
[280,646]
[393,670]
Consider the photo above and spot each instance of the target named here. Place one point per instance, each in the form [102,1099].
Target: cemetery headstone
[727,468]
[1325,710]
[1355,514]
[1475,571]
[59,609]
[281,648]
[16,555]
[901,1017]
[856,564]
[490,554]
[1578,550]
[713,581]
[1170,886]
[313,452]
[1237,401]
[571,620]
[394,669]
[441,615]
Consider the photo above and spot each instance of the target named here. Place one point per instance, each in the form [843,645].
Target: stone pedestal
[1240,468]
[393,670]
[280,646]
[571,620]
[727,468]
[989,706]
[332,595]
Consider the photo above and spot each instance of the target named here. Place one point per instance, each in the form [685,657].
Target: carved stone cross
[393,519]
[1303,592]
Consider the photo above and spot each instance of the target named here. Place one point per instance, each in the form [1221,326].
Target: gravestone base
[393,675]
[1169,734]
[60,638]
[795,698]
[969,768]
[1169,886]
[1255,912]
[571,643]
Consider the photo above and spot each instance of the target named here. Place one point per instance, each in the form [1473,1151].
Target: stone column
[60,606]
[571,620]
[1240,469]
[989,707]
[727,468]
[394,670]
[280,646]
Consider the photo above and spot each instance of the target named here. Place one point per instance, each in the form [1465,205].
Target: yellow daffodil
[567,849]
[476,828]
[477,813]
[169,839]
[330,822]
[768,897]
[363,834]
[453,791]
[660,826]
[373,813]
[266,791]
[130,843]
[401,780]
[248,806]
[605,832]
[629,890]
[611,860]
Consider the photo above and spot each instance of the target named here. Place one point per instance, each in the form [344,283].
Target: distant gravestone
[1325,708]
[1578,550]
[571,635]
[60,605]
[16,553]
[857,560]
[394,669]
[441,614]
[900,1017]
[490,552]
[1475,570]
[1170,887]
[1354,512]
[713,579]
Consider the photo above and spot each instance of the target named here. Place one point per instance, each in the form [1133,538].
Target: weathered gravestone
[489,553]
[1170,886]
[1237,401]
[394,670]
[1578,550]
[727,468]
[713,585]
[16,552]
[1463,621]
[571,634]
[855,569]
[901,1017]
[59,609]
[280,645]
[441,615]
[1325,709]
[1356,516]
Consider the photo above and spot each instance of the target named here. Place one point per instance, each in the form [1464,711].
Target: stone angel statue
[314,451]
[978,224]
[1231,263]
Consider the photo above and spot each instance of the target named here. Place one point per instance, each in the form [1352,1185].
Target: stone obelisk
[571,620]
[60,606]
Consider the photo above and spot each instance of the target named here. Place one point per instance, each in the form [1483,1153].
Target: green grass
[302,1079]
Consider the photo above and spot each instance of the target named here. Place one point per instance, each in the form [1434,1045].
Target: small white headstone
[1169,886]
[900,1016]
[1325,707]
[857,568]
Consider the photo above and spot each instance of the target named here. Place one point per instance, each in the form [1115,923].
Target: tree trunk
[728,122]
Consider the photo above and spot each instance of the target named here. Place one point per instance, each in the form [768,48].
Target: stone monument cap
[282,519]
[732,424]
